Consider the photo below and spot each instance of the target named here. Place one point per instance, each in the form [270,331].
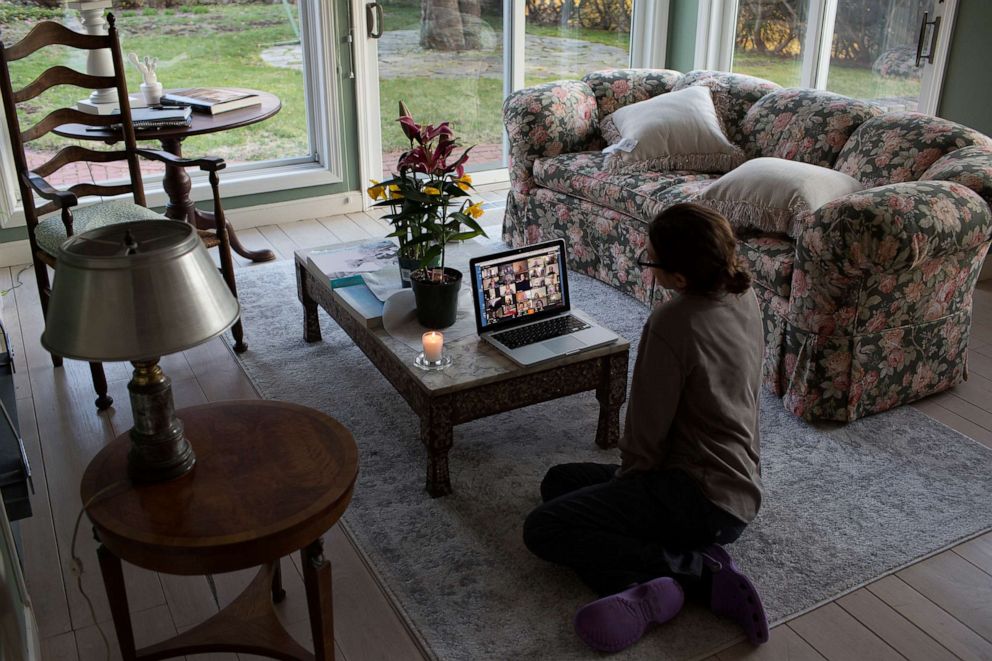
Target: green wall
[967,93]
[681,34]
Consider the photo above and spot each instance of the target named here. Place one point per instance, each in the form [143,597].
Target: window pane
[444,60]
[566,39]
[249,44]
[770,38]
[874,51]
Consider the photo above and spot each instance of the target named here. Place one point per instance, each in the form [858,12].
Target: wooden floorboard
[936,609]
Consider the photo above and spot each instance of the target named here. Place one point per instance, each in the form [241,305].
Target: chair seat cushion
[50,233]
[640,194]
[770,259]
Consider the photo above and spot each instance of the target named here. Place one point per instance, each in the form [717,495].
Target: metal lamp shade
[135,291]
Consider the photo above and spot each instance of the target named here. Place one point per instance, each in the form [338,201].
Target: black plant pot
[407,266]
[437,301]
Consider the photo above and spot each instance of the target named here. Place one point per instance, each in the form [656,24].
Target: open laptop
[522,306]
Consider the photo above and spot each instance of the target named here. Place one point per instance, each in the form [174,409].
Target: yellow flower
[394,192]
[464,181]
[430,190]
[475,210]
[376,190]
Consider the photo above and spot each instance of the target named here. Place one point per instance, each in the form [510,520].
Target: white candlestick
[433,343]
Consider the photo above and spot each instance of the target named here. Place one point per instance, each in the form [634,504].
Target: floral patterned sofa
[868,307]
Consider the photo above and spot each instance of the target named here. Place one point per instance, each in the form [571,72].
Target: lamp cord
[76,565]
[17,281]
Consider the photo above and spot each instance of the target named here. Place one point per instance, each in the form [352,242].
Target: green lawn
[855,81]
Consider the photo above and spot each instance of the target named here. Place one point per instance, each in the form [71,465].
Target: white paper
[384,282]
[399,318]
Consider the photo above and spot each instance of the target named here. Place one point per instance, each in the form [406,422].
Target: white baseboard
[294,210]
[14,253]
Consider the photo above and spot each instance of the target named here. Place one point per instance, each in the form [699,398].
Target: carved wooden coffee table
[480,382]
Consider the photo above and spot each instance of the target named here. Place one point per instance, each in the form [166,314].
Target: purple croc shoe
[618,621]
[735,596]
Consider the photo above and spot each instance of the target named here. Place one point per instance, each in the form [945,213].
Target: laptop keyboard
[542,330]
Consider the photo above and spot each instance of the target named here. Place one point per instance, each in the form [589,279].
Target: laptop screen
[520,285]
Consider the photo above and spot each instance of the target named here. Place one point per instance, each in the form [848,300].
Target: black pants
[619,531]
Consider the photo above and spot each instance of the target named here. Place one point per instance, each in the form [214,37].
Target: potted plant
[430,206]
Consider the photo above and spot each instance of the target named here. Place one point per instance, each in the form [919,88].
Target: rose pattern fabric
[809,126]
[900,146]
[868,309]
[769,258]
[546,120]
[640,194]
[733,96]
[616,88]
[601,243]
[970,166]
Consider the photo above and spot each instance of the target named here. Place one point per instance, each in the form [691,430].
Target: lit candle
[433,341]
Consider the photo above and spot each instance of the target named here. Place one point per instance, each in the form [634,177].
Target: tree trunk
[450,25]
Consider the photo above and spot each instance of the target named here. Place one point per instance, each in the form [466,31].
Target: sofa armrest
[616,88]
[971,166]
[889,256]
[548,120]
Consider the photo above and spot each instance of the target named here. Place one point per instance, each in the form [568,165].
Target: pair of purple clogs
[618,621]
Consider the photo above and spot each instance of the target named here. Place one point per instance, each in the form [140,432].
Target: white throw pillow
[774,194]
[673,131]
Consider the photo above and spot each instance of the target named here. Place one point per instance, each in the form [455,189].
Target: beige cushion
[776,195]
[673,131]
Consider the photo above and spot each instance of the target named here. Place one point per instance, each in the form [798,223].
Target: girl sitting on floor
[647,532]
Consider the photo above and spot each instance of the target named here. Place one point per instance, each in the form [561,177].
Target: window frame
[323,165]
[716,29]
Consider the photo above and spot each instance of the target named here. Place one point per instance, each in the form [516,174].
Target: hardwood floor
[940,608]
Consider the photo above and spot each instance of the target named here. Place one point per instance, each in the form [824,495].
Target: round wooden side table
[270,479]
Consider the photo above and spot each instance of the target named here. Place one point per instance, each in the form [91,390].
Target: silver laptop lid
[519,286]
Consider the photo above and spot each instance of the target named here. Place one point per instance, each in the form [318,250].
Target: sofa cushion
[810,126]
[640,195]
[616,88]
[776,195]
[900,146]
[770,260]
[674,131]
[733,96]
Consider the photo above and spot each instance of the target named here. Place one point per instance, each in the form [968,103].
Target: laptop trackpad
[563,345]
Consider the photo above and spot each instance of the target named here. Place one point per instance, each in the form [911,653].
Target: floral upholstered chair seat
[868,306]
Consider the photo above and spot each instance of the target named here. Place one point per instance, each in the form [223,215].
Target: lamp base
[160,450]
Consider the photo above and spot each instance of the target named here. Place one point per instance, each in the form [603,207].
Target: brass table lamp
[137,291]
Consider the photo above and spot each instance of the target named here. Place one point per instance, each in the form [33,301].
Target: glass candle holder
[432,357]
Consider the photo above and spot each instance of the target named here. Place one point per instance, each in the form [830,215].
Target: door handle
[931,52]
[374,19]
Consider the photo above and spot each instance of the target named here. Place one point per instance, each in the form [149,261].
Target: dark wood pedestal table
[176,181]
[270,479]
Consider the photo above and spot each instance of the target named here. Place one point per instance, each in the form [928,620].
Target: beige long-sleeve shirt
[694,398]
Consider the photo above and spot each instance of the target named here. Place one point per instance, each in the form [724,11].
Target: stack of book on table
[344,267]
[211,100]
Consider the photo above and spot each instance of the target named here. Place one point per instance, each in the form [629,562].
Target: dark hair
[698,243]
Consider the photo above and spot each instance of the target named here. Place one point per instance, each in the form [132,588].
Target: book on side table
[211,100]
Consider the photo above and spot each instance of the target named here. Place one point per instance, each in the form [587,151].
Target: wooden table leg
[320,604]
[113,583]
[437,435]
[311,323]
[611,393]
[180,206]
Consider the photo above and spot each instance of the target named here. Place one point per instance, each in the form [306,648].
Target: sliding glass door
[455,60]
[877,50]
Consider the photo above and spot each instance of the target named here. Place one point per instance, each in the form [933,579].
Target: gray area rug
[843,504]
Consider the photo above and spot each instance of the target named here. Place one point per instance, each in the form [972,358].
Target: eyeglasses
[643,262]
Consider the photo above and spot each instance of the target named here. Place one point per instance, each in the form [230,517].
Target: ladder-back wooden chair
[52,214]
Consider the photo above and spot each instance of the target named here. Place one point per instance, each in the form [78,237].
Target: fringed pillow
[775,195]
[673,131]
